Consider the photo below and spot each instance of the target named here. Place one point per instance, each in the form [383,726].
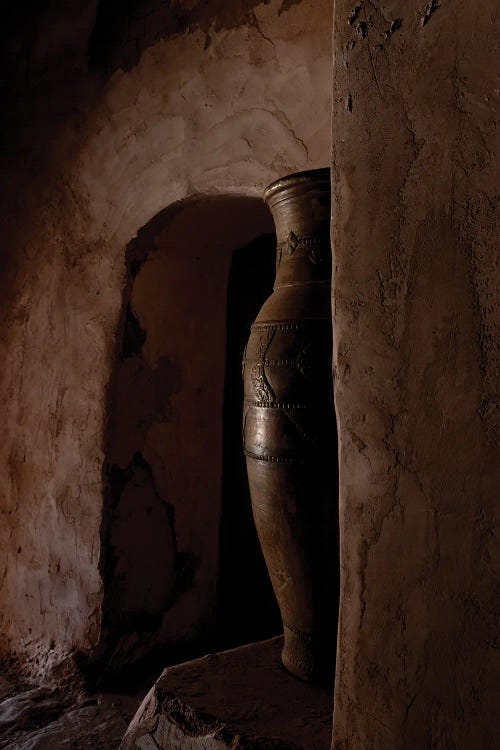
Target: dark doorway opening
[182,569]
[247,606]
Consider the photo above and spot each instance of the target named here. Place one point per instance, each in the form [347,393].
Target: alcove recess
[181,563]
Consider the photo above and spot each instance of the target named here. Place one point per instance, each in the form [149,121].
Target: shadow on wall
[123,30]
[180,560]
[247,606]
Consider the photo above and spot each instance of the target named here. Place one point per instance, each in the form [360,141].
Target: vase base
[307,657]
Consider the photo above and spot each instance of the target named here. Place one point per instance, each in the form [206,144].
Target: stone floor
[241,699]
[54,719]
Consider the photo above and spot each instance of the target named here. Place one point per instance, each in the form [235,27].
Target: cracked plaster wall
[88,159]
[416,358]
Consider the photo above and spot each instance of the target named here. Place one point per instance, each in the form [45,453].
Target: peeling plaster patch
[353,15]
[431,8]
[395,25]
[362,28]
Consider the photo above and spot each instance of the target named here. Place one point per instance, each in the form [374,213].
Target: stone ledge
[241,699]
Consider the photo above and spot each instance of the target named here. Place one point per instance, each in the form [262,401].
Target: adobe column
[415,319]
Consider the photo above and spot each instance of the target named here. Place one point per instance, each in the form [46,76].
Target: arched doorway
[181,563]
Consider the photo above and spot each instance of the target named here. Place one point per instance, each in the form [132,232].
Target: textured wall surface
[416,337]
[93,148]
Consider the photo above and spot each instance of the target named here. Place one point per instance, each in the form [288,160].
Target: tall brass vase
[289,426]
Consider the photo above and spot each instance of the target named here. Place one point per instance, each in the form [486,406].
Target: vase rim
[307,178]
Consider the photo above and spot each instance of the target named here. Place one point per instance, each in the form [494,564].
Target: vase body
[289,427]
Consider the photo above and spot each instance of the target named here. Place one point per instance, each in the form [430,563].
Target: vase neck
[301,207]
